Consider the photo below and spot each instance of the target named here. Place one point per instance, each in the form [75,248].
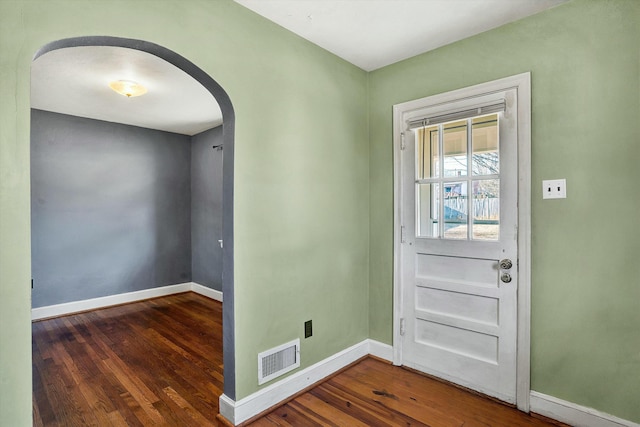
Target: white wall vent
[278,361]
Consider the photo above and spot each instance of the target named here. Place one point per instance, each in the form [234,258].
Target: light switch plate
[554,189]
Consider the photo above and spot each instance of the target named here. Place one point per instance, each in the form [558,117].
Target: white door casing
[453,317]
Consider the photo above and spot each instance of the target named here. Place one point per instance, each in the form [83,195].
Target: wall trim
[381,350]
[207,292]
[270,396]
[574,414]
[63,309]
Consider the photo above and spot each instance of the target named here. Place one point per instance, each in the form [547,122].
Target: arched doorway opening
[228,126]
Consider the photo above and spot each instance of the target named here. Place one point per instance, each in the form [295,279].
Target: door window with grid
[458,179]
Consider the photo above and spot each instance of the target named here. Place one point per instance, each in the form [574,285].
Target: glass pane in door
[455,210]
[428,163]
[486,209]
[484,138]
[428,197]
[455,148]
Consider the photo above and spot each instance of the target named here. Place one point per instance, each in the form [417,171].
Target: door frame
[522,84]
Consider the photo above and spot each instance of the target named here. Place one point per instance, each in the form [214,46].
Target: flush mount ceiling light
[128,88]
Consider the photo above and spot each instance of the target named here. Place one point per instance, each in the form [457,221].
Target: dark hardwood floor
[154,362]
[159,362]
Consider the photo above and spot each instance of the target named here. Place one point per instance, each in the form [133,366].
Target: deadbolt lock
[505,264]
[505,277]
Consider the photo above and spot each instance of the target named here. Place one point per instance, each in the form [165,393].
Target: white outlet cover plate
[554,189]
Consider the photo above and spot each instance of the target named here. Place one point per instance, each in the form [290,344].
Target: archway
[228,169]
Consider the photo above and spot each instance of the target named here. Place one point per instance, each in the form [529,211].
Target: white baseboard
[380,350]
[265,398]
[574,414]
[102,302]
[207,292]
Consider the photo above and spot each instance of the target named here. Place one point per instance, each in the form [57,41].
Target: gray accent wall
[110,208]
[206,208]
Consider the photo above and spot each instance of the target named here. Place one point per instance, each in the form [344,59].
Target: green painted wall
[301,181]
[314,180]
[584,57]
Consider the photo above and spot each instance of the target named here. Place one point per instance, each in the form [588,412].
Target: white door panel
[458,207]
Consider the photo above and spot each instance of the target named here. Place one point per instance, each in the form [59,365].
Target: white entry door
[457,205]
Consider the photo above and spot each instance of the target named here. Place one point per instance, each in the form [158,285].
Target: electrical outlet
[308,329]
[554,189]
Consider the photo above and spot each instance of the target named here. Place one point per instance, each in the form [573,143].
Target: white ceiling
[375,33]
[367,33]
[75,81]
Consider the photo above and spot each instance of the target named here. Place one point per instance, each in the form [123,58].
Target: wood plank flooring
[154,362]
[375,393]
[159,362]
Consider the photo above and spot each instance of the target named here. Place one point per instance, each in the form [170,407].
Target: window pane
[455,210]
[428,165]
[455,148]
[486,209]
[485,145]
[428,207]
